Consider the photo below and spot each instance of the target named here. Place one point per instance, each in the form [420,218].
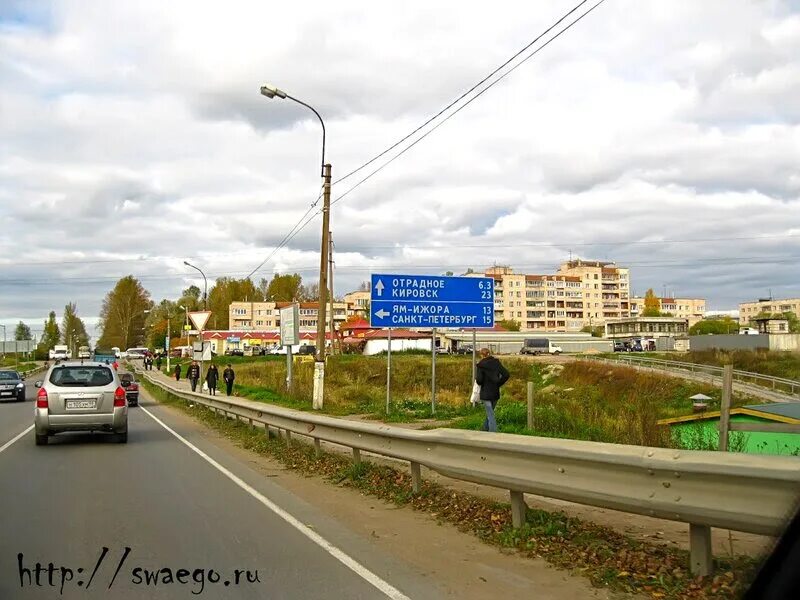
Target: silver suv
[80,396]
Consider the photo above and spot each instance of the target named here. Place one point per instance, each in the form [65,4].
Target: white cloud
[134,137]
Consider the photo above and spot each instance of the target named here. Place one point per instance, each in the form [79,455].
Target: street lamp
[205,282]
[271,91]
[4,340]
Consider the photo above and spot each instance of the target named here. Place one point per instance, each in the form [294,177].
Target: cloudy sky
[662,135]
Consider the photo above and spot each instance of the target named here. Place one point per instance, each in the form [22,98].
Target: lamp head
[270,91]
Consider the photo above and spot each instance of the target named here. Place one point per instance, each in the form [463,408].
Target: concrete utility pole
[330,282]
[271,91]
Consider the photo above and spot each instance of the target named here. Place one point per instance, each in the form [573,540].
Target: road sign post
[433,371]
[388,370]
[290,336]
[200,318]
[430,302]
[426,301]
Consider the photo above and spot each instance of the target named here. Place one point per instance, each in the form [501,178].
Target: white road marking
[7,444]
[389,590]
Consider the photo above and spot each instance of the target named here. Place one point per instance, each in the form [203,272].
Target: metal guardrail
[776,384]
[751,493]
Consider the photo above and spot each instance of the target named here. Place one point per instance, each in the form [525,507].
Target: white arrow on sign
[379,287]
[382,314]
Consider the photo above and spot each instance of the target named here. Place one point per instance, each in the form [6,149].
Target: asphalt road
[65,502]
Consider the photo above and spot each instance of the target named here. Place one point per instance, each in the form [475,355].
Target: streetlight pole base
[319,384]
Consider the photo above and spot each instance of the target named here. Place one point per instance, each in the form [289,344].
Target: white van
[136,352]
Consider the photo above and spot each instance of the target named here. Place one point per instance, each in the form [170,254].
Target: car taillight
[41,398]
[119,397]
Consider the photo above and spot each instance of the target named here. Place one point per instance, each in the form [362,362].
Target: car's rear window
[81,376]
[127,377]
[8,376]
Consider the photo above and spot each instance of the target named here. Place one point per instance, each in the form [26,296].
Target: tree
[263,287]
[714,327]
[122,315]
[509,324]
[192,292]
[73,328]
[284,288]
[22,332]
[225,291]
[652,306]
[51,335]
[595,330]
[156,322]
[794,322]
[364,287]
[310,292]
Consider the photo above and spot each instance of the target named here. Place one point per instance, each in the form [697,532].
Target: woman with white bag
[490,376]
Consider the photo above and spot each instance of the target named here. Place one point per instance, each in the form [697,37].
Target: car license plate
[6,393]
[78,404]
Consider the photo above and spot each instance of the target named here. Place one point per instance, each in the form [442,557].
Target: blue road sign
[427,301]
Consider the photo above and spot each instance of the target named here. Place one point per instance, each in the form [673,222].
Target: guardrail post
[356,456]
[518,509]
[416,477]
[700,549]
[288,437]
[317,447]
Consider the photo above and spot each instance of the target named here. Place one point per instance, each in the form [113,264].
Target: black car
[234,352]
[620,347]
[463,350]
[307,350]
[128,382]
[12,386]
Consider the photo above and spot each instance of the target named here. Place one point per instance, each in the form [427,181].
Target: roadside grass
[765,362]
[592,401]
[581,400]
[606,557]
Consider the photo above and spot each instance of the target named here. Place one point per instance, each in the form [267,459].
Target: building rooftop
[783,409]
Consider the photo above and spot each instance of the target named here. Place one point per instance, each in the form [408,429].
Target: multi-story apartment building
[605,287]
[358,303]
[265,316]
[693,309]
[748,310]
[563,302]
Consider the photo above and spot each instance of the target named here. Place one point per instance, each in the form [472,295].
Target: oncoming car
[80,397]
[12,386]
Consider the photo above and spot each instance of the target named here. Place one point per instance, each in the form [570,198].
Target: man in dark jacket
[178,372]
[228,375]
[193,374]
[490,375]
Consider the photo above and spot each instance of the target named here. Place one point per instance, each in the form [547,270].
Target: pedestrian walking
[193,374]
[158,362]
[490,375]
[178,372]
[228,375]
[212,377]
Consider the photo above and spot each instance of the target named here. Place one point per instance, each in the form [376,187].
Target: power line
[462,96]
[467,103]
[475,97]
[289,235]
[401,246]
